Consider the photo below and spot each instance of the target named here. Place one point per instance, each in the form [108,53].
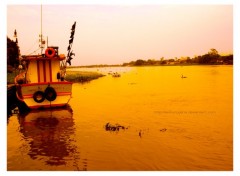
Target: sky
[114,34]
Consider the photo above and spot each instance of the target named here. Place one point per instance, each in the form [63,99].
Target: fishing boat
[41,82]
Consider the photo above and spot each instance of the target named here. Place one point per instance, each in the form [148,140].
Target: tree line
[210,58]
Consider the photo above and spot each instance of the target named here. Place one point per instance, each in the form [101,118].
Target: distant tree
[139,62]
[189,60]
[210,58]
[213,52]
[162,61]
[12,53]
[227,59]
[214,55]
[195,59]
[151,62]
[205,59]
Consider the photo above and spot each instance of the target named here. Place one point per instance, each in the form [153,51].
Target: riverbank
[82,76]
[72,76]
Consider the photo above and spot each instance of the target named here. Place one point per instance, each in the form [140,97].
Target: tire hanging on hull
[38,97]
[50,93]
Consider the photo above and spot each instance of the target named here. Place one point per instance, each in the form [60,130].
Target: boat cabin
[43,68]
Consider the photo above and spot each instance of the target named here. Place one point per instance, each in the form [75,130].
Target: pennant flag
[69,47]
[69,60]
[72,34]
[73,26]
[70,41]
[70,53]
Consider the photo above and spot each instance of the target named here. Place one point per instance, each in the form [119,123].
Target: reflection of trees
[50,134]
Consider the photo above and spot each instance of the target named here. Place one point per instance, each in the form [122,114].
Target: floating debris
[140,134]
[116,127]
[142,131]
[163,130]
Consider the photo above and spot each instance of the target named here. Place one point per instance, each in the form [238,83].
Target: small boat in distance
[115,74]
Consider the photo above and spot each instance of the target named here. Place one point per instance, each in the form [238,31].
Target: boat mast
[41,33]
[42,42]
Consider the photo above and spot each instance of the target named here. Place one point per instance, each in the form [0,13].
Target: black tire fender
[50,93]
[38,97]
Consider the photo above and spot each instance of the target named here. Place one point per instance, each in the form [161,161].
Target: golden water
[171,123]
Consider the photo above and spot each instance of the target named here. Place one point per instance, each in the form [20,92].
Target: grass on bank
[82,76]
[10,77]
[72,76]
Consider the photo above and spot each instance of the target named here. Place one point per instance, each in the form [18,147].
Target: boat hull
[63,91]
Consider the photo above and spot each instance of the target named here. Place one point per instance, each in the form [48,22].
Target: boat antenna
[41,31]
[42,42]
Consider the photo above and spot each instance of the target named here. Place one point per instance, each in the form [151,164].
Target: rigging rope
[34,51]
[32,46]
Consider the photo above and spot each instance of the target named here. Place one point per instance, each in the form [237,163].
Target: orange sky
[114,34]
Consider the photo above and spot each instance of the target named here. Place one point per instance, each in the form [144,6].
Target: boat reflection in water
[50,133]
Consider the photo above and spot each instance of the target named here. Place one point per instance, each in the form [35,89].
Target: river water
[149,119]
